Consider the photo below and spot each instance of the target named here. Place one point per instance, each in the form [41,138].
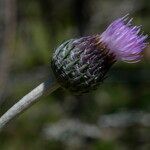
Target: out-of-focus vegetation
[114,117]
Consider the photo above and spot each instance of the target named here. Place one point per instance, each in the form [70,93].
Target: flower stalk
[28,100]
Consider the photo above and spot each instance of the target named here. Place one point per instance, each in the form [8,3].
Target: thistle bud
[80,65]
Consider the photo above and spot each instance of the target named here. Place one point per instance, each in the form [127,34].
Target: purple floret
[124,40]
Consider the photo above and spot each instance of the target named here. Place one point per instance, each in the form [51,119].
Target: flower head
[80,65]
[125,40]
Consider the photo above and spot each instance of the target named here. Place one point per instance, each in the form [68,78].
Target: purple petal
[123,39]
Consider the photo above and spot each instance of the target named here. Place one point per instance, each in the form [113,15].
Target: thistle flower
[80,65]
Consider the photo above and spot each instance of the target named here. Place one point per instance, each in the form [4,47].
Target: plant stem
[28,100]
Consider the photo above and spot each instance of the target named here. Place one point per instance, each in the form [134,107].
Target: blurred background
[114,117]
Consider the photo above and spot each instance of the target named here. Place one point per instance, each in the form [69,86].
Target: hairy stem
[28,100]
